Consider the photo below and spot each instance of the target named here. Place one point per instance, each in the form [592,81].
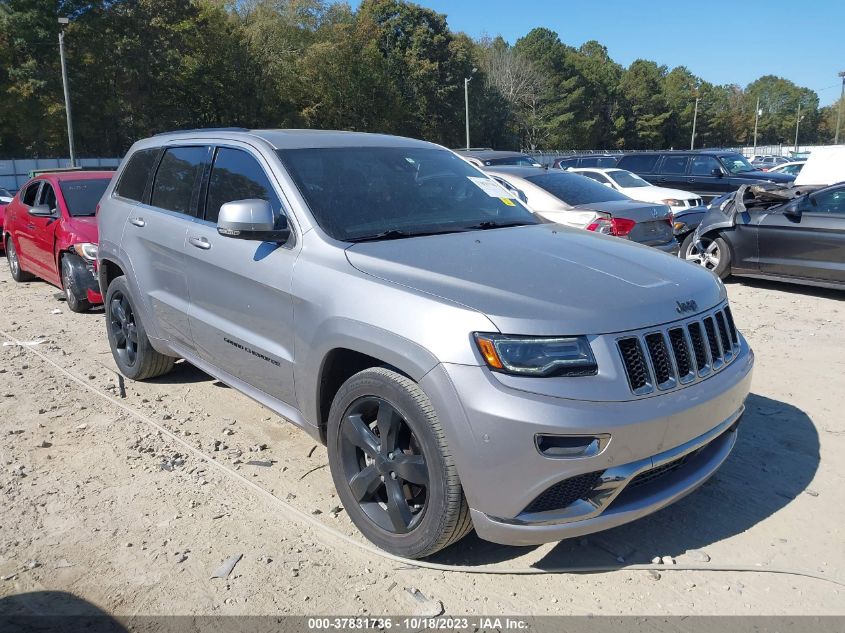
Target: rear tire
[77,300]
[18,273]
[386,443]
[136,358]
[714,254]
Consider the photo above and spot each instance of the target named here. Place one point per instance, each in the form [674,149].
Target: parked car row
[467,363]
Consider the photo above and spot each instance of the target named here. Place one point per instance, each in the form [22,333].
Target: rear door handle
[31,227]
[200,242]
[137,221]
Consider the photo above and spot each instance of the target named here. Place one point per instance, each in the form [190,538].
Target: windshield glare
[361,192]
[575,189]
[627,179]
[81,196]
[736,163]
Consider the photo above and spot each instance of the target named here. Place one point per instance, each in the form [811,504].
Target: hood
[83,229]
[764,175]
[656,194]
[544,279]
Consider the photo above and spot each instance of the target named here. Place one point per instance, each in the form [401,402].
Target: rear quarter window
[133,180]
[638,163]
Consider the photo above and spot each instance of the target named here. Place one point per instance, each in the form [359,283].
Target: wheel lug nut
[390,456]
[393,475]
[382,478]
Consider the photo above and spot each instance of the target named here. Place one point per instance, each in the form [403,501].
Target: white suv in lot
[466,364]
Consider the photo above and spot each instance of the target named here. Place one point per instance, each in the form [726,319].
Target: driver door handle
[31,227]
[200,242]
[137,221]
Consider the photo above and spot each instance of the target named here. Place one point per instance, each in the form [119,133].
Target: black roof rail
[204,129]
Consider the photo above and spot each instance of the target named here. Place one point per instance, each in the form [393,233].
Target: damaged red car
[50,231]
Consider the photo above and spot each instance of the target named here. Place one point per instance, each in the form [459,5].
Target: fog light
[570,446]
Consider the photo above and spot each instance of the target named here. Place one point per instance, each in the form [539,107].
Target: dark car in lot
[586,160]
[490,158]
[709,173]
[794,234]
[50,231]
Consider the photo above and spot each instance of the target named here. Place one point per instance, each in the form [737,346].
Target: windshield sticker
[508,202]
[491,187]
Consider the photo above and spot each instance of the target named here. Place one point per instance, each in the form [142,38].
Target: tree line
[138,67]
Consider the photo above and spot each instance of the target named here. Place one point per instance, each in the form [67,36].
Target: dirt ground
[95,502]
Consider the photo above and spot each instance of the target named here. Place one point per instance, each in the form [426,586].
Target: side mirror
[718,172]
[251,219]
[793,210]
[40,211]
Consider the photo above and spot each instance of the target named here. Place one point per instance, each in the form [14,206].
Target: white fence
[15,172]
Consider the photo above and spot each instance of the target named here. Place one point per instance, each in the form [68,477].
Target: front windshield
[575,189]
[736,163]
[360,193]
[627,179]
[82,196]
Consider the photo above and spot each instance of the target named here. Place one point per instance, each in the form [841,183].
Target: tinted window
[237,176]
[360,192]
[831,201]
[598,161]
[519,161]
[639,163]
[574,189]
[177,177]
[48,197]
[736,163]
[674,165]
[134,179]
[82,196]
[563,163]
[703,166]
[593,176]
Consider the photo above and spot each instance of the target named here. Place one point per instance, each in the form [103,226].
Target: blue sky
[721,41]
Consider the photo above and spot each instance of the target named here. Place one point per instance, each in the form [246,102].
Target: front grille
[681,352]
[659,358]
[564,493]
[635,367]
[660,354]
[715,352]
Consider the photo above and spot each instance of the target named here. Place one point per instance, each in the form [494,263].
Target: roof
[521,172]
[707,152]
[79,174]
[295,139]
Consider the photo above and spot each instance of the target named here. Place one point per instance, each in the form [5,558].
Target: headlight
[86,250]
[537,356]
[672,202]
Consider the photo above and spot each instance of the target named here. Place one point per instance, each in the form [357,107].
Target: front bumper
[491,429]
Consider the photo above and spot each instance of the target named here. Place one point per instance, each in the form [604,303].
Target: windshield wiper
[492,224]
[398,234]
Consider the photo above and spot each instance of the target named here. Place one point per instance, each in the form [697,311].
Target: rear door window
[236,175]
[639,163]
[674,165]
[133,180]
[177,179]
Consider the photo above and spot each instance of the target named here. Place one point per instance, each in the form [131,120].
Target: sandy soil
[96,503]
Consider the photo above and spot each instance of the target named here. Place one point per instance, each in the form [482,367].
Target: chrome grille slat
[679,353]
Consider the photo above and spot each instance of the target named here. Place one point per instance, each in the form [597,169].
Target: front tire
[392,467]
[18,273]
[77,300]
[136,358]
[714,254]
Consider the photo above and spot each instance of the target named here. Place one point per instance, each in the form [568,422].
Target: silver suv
[467,365]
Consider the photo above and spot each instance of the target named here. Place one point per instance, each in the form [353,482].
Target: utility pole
[62,23]
[694,119]
[466,100]
[797,123]
[839,111]
[756,120]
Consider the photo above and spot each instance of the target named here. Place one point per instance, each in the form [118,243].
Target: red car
[50,231]
[5,198]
